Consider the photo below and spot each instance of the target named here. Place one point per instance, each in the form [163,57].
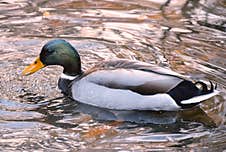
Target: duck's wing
[137,65]
[139,77]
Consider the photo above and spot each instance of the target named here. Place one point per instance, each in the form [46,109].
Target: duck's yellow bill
[32,68]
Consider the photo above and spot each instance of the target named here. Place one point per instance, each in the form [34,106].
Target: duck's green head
[57,52]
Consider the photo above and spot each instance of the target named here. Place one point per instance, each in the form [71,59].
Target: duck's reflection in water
[195,114]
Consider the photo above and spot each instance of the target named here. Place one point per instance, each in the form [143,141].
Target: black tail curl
[204,87]
[187,89]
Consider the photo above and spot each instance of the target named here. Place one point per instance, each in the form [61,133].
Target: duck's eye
[50,51]
[35,62]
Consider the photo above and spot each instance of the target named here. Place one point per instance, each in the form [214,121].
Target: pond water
[187,36]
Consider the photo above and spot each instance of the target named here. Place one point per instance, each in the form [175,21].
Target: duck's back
[124,84]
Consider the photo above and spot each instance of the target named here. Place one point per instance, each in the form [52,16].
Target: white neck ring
[68,77]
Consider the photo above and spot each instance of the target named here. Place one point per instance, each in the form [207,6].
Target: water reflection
[187,36]
[55,116]
[139,117]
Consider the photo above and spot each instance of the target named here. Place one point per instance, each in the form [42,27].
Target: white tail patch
[200,98]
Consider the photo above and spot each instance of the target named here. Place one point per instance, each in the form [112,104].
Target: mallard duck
[121,84]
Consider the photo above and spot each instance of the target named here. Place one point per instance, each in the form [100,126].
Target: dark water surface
[187,36]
